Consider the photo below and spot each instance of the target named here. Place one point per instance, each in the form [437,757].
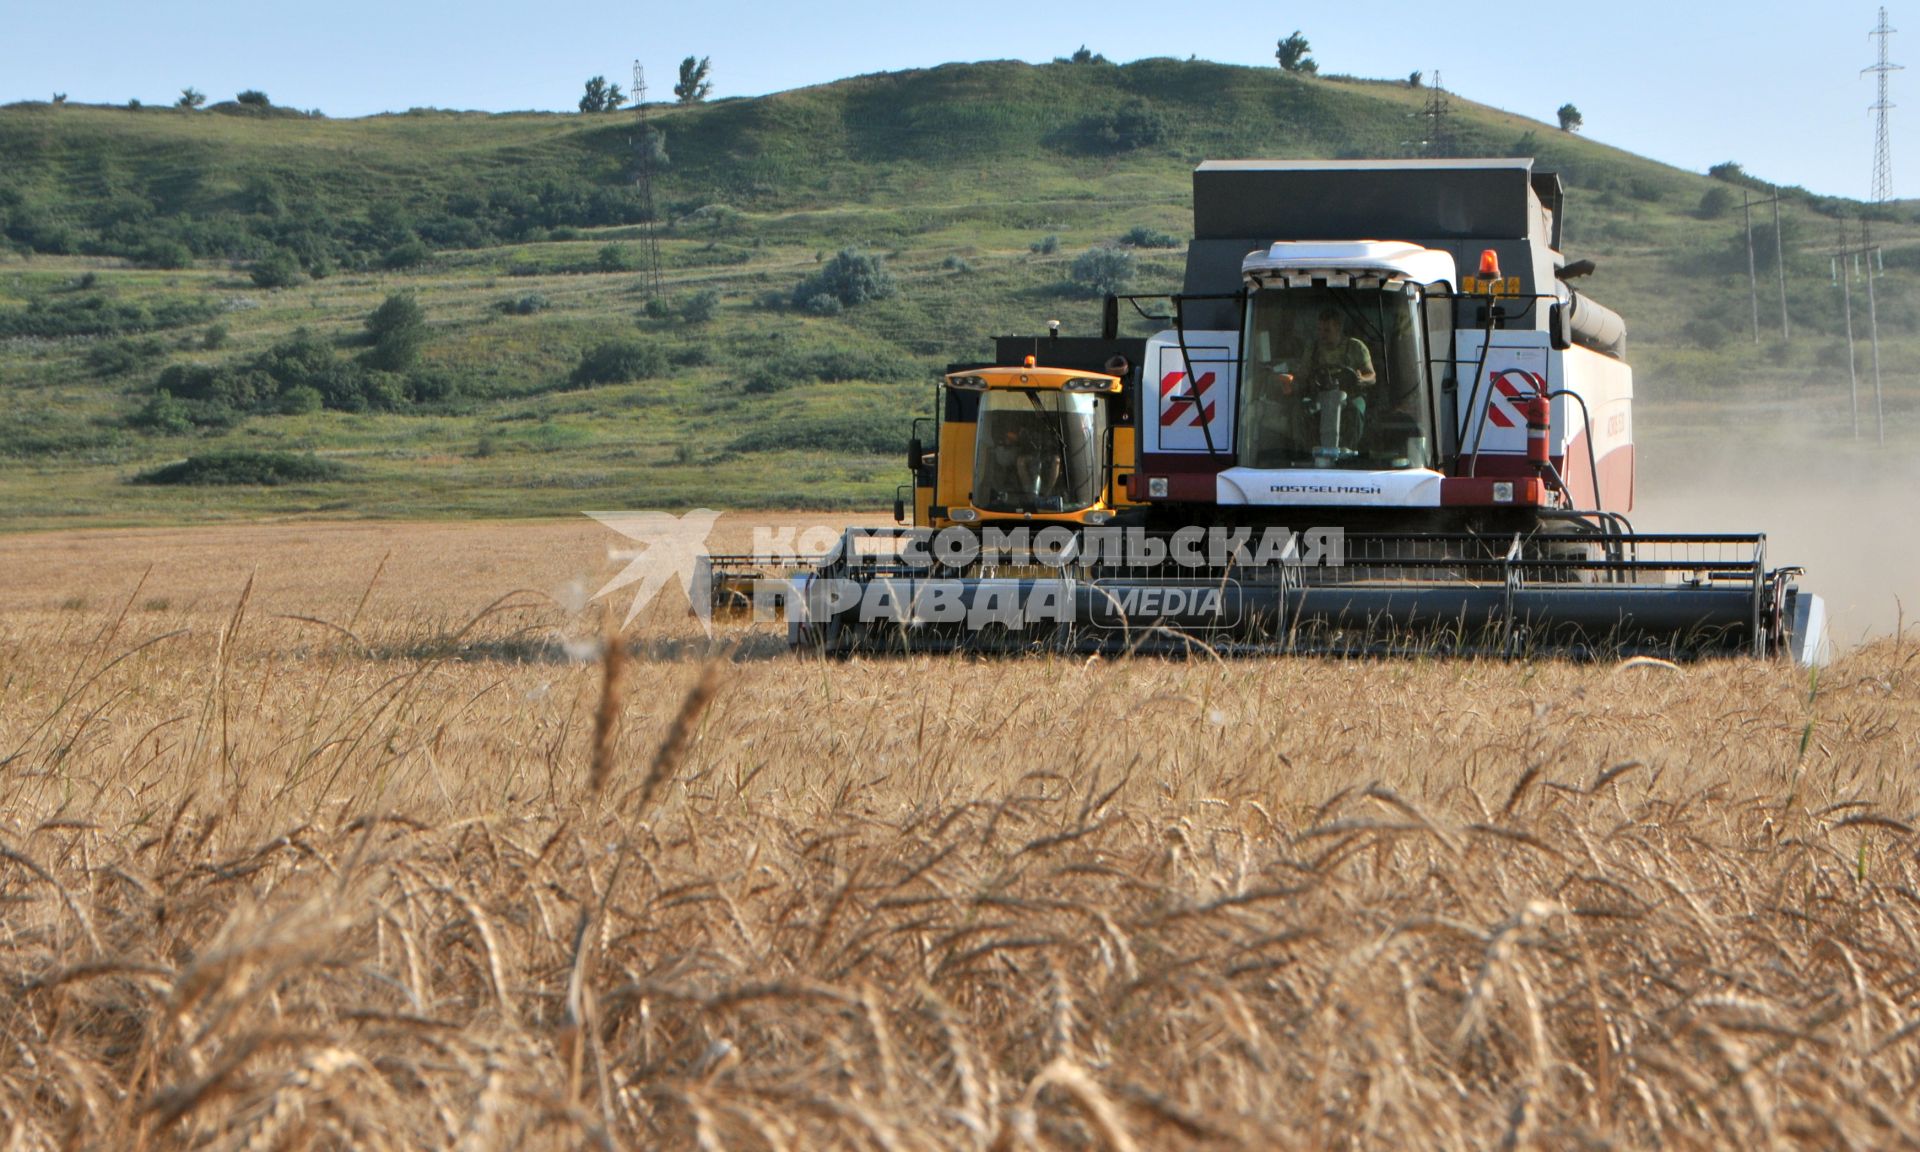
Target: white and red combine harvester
[1387,355]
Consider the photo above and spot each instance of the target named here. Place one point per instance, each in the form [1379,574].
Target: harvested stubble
[267,884]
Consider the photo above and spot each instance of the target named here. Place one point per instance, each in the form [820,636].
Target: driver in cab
[1335,359]
[1024,455]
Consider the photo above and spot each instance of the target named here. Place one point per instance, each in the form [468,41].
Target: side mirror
[899,510]
[916,455]
[1560,327]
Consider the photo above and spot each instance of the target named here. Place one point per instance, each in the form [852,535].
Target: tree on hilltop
[1570,120]
[694,82]
[190,98]
[1293,54]
[601,96]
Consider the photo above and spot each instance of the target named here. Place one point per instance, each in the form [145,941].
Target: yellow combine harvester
[1030,443]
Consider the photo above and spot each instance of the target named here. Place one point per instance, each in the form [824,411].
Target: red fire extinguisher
[1539,415]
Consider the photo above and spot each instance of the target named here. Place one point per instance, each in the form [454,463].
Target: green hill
[193,283]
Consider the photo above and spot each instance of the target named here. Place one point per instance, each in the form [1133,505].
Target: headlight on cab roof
[970,383]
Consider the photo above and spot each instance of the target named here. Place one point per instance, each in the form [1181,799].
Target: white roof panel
[1376,257]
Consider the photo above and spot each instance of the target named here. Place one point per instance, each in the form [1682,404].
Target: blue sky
[1768,84]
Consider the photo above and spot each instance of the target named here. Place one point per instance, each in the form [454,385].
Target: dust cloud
[1844,513]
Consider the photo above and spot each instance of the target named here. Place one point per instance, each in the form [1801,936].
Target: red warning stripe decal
[1175,409]
[1504,399]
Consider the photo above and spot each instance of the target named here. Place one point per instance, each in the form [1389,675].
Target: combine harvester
[1417,443]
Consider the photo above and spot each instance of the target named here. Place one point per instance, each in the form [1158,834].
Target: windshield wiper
[1053,426]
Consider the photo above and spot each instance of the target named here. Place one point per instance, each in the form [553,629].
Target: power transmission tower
[1438,109]
[1882,144]
[647,148]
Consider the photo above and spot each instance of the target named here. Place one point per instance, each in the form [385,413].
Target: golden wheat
[300,847]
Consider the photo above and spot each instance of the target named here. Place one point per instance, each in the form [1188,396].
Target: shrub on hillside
[1103,271]
[218,385]
[98,314]
[527,305]
[278,269]
[163,413]
[120,356]
[1134,125]
[302,358]
[432,386]
[1704,332]
[299,400]
[244,467]
[1715,202]
[296,375]
[409,253]
[383,391]
[1144,237]
[619,362]
[163,252]
[396,331]
[700,307]
[848,281]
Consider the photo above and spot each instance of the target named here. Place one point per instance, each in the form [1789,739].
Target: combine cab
[1339,444]
[1028,444]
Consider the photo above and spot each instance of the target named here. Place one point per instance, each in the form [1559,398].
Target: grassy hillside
[232,258]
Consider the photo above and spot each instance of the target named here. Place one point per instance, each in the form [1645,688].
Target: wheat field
[349,835]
